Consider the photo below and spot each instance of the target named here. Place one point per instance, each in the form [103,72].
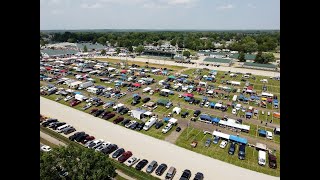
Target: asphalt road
[147,147]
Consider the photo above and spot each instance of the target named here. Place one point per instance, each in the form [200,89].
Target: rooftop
[219,60]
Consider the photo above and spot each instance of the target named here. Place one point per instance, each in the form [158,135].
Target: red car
[125,156]
[93,111]
[119,119]
[74,102]
[88,138]
[109,116]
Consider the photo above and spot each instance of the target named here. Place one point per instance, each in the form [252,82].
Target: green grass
[118,177]
[216,152]
[130,171]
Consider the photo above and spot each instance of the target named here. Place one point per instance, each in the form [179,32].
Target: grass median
[130,171]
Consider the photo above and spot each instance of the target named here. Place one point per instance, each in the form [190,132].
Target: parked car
[109,116]
[87,139]
[98,112]
[93,144]
[145,100]
[178,129]
[45,148]
[74,102]
[170,174]
[234,111]
[75,135]
[232,148]
[93,111]
[99,103]
[242,152]
[272,161]
[126,121]
[141,164]
[118,153]
[102,146]
[58,124]
[87,106]
[158,125]
[186,174]
[81,137]
[130,123]
[208,142]
[184,114]
[104,113]
[161,168]
[140,126]
[216,140]
[152,166]
[133,103]
[198,176]
[223,144]
[124,111]
[196,113]
[47,122]
[125,156]
[132,161]
[134,125]
[118,119]
[69,130]
[109,149]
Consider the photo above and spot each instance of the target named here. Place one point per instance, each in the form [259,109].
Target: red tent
[249,88]
[63,71]
[48,68]
[123,71]
[136,84]
[188,95]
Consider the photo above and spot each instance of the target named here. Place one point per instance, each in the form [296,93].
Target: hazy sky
[159,14]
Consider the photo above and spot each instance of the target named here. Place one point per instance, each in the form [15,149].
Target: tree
[85,49]
[242,57]
[103,52]
[173,42]
[80,163]
[118,50]
[71,40]
[102,40]
[258,58]
[139,49]
[186,53]
[42,42]
[264,58]
[130,48]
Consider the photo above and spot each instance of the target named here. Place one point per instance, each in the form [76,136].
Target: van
[152,166]
[234,98]
[262,158]
[59,129]
[269,135]
[242,152]
[149,123]
[170,174]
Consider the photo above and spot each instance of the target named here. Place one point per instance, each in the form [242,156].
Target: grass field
[214,151]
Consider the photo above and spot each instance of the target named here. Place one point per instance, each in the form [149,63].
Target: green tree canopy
[264,58]
[85,49]
[71,40]
[118,50]
[186,53]
[130,48]
[80,163]
[242,57]
[102,40]
[139,49]
[103,52]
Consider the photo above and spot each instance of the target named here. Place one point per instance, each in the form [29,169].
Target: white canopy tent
[220,134]
[176,110]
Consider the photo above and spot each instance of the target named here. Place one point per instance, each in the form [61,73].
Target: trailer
[85,85]
[150,123]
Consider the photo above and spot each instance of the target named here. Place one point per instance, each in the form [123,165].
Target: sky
[160,14]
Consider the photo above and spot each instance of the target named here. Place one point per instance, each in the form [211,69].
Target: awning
[238,139]
[220,134]
[262,132]
[216,120]
[166,119]
[148,113]
[172,77]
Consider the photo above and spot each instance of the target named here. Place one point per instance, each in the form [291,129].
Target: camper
[147,89]
[234,99]
[93,90]
[85,85]
[262,158]
[80,97]
[60,128]
[235,83]
[75,84]
[150,123]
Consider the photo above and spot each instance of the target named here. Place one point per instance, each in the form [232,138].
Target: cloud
[91,6]
[56,11]
[180,2]
[251,6]
[223,7]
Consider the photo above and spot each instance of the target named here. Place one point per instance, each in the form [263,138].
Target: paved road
[197,65]
[148,147]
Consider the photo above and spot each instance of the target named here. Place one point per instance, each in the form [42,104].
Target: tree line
[242,41]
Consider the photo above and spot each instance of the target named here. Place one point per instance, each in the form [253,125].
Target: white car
[94,143]
[207,104]
[102,146]
[234,111]
[130,123]
[132,161]
[223,144]
[180,96]
[167,128]
[268,113]
[67,98]
[238,106]
[269,135]
[46,148]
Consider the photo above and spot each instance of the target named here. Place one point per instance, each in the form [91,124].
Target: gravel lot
[148,147]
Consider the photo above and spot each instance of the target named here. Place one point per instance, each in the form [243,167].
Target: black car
[126,121]
[196,101]
[141,164]
[140,126]
[104,113]
[242,152]
[46,123]
[184,114]
[118,153]
[99,103]
[158,125]
[161,169]
[232,148]
[186,174]
[69,130]
[58,124]
[81,137]
[75,135]
[98,112]
[145,99]
[136,98]
[178,129]
[196,113]
[198,176]
[133,103]
[134,125]
[124,111]
[109,149]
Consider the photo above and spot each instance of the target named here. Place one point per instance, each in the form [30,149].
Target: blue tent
[212,104]
[77,92]
[209,79]
[262,132]
[216,120]
[275,101]
[238,139]
[253,97]
[166,119]
[246,99]
[134,95]
[100,87]
[187,98]
[241,97]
